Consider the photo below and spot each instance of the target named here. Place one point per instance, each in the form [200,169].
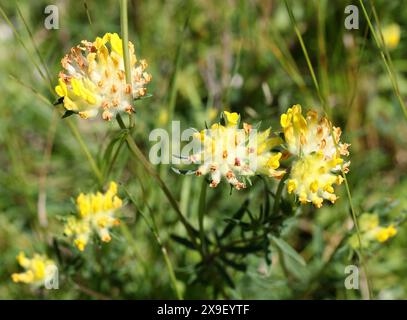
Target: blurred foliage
[204,56]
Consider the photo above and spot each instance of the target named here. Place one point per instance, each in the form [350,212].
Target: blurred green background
[205,56]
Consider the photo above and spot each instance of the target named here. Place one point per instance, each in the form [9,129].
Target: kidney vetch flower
[37,269]
[93,81]
[229,152]
[97,213]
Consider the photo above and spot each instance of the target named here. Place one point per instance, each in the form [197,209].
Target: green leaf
[226,277]
[183,171]
[235,265]
[288,250]
[147,96]
[185,242]
[244,250]
[267,251]
[233,221]
[68,113]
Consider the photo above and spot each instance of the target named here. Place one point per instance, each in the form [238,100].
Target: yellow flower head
[232,118]
[37,269]
[93,81]
[317,147]
[96,213]
[233,153]
[391,35]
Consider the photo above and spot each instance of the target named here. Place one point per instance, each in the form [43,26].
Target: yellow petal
[232,118]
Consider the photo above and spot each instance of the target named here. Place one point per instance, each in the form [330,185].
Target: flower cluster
[234,153]
[371,231]
[94,79]
[37,269]
[96,214]
[318,151]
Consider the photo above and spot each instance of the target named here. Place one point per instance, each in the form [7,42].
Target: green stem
[201,214]
[113,161]
[304,50]
[148,167]
[85,4]
[125,44]
[359,252]
[125,39]
[85,150]
[384,55]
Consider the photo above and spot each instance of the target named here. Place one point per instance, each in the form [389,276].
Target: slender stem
[304,49]
[113,161]
[136,151]
[125,39]
[85,150]
[125,45]
[323,57]
[359,252]
[85,4]
[201,215]
[384,55]
[148,167]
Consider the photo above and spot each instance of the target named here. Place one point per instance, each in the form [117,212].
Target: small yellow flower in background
[384,234]
[97,213]
[94,81]
[232,118]
[318,151]
[232,153]
[371,231]
[37,269]
[391,35]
